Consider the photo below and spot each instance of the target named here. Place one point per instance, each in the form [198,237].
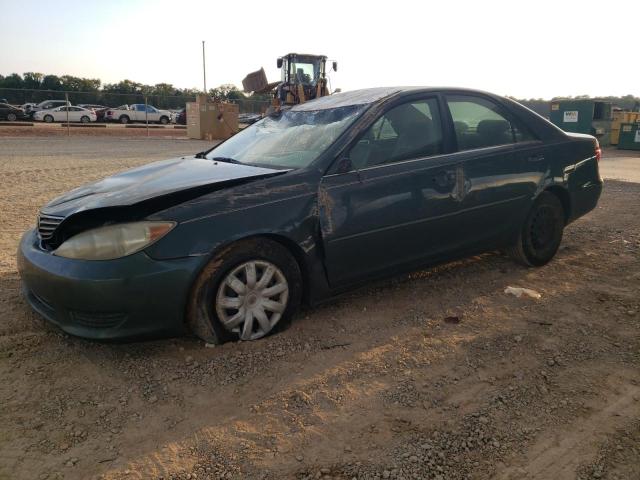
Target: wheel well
[298,254]
[564,198]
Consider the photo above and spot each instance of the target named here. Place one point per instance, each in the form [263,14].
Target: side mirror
[335,66]
[280,62]
[343,165]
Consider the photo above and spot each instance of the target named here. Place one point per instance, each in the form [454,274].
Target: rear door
[75,113]
[139,112]
[392,207]
[496,153]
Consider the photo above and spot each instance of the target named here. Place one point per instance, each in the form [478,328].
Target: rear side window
[410,130]
[480,123]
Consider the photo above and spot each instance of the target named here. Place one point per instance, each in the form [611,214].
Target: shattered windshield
[292,139]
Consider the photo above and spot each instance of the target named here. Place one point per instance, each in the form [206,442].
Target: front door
[394,205]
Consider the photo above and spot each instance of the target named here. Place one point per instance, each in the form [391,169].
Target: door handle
[536,158]
[445,178]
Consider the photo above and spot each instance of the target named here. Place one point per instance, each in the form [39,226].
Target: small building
[583,116]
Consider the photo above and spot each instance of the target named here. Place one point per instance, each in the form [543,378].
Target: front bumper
[127,298]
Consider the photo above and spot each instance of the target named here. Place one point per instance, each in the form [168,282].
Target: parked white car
[138,112]
[76,114]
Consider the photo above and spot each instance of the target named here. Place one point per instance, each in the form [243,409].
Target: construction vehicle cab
[303,77]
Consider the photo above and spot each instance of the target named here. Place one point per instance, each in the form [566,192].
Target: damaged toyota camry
[303,205]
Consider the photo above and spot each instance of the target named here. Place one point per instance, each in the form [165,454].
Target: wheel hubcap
[252,298]
[542,228]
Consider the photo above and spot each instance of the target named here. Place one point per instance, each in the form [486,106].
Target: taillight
[598,151]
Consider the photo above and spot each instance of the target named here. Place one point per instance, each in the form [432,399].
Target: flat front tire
[541,234]
[247,291]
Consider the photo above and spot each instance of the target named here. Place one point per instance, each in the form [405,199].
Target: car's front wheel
[248,290]
[541,234]
[12,117]
[48,118]
[164,120]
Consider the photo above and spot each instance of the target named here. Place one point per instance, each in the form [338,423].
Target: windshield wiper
[225,160]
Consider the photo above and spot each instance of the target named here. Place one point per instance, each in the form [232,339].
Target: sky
[532,49]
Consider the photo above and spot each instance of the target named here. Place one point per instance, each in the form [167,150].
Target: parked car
[249,118]
[11,113]
[138,113]
[100,110]
[3,100]
[46,105]
[302,205]
[60,114]
[181,117]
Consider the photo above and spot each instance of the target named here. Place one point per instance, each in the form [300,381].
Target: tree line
[226,92]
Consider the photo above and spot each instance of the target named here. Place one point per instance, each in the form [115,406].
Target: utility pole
[204,69]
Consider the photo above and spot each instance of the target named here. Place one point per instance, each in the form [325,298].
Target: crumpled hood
[150,181]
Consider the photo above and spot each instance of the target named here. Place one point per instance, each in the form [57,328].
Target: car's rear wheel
[248,290]
[541,234]
[84,119]
[124,119]
[11,117]
[48,118]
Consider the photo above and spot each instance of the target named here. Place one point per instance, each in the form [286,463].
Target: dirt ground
[434,375]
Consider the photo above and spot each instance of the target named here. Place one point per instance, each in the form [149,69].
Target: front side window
[411,130]
[480,123]
[291,139]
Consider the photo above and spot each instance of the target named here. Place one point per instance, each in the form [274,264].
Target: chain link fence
[167,102]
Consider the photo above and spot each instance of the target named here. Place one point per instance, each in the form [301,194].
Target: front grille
[47,225]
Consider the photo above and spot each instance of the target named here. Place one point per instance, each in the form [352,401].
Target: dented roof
[345,99]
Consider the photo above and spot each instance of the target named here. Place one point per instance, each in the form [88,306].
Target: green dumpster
[583,116]
[629,136]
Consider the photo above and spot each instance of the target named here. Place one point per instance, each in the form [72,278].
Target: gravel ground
[434,375]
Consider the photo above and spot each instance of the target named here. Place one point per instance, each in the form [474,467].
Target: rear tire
[84,119]
[541,235]
[12,117]
[215,322]
[124,119]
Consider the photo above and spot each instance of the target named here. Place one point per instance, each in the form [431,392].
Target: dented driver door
[388,217]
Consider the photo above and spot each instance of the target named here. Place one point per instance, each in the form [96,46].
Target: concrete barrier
[144,126]
[85,125]
[16,124]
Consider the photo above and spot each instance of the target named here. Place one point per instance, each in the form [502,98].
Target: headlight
[113,241]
